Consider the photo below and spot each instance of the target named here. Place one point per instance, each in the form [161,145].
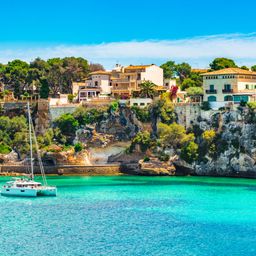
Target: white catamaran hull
[19,192]
[49,191]
[29,192]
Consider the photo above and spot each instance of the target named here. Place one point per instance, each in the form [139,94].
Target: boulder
[10,158]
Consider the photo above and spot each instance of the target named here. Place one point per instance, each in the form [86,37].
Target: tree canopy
[169,69]
[184,74]
[221,63]
[192,91]
[147,90]
[52,76]
[253,68]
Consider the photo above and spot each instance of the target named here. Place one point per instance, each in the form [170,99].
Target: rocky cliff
[122,124]
[233,152]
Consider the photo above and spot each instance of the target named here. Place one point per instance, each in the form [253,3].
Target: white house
[96,85]
[229,86]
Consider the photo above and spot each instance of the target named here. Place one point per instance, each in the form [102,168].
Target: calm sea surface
[133,216]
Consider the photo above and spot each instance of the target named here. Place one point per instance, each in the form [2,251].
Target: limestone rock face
[237,146]
[243,164]
[10,158]
[68,158]
[90,137]
[122,124]
[154,167]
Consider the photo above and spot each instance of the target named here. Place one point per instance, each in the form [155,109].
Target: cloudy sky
[137,32]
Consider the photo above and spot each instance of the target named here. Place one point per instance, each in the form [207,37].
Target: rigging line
[27,160]
[39,157]
[30,141]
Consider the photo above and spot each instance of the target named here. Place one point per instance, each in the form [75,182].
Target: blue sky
[109,31]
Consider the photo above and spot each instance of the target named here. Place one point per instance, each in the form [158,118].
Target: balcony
[227,90]
[90,88]
[211,91]
[120,87]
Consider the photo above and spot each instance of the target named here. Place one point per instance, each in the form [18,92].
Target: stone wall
[57,111]
[42,121]
[66,170]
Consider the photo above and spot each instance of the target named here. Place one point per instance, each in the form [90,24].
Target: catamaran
[28,187]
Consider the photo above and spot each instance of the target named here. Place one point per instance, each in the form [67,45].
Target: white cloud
[198,51]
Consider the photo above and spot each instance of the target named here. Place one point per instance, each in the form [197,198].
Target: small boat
[28,187]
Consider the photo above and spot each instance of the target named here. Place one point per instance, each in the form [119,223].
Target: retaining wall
[66,169]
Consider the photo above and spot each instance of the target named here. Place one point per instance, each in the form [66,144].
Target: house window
[211,98]
[227,87]
[228,98]
[212,87]
[96,83]
[241,98]
[247,86]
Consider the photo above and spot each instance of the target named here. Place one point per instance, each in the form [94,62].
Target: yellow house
[128,79]
[229,86]
[120,82]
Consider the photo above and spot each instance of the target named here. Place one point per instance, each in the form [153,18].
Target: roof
[100,72]
[199,70]
[138,67]
[230,71]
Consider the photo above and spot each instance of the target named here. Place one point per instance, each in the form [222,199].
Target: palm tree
[147,90]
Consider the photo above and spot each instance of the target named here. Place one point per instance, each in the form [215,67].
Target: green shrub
[142,114]
[209,136]
[89,115]
[189,152]
[243,103]
[143,140]
[163,157]
[251,105]
[4,149]
[174,135]
[163,108]
[146,159]
[71,98]
[68,126]
[114,106]
[78,147]
[205,105]
[192,91]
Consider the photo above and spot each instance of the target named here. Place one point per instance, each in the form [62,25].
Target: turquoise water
[133,216]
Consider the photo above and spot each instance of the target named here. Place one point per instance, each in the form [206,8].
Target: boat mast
[30,142]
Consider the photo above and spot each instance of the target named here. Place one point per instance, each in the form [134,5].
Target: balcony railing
[227,90]
[124,80]
[117,88]
[211,91]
